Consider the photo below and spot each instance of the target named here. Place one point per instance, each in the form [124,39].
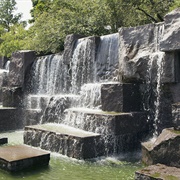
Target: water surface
[64,168]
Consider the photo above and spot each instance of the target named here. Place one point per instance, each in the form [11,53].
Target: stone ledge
[104,122]
[158,172]
[63,139]
[18,157]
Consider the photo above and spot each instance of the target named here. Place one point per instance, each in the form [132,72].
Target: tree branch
[152,18]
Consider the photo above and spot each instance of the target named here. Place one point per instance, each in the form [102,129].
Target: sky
[24,7]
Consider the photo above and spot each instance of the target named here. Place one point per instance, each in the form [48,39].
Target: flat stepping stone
[158,172]
[3,141]
[19,157]
[63,139]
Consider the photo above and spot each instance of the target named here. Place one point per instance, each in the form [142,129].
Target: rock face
[120,97]
[158,172]
[171,38]
[140,58]
[165,149]
[69,45]
[20,63]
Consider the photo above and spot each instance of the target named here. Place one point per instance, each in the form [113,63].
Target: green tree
[13,40]
[7,16]
[53,20]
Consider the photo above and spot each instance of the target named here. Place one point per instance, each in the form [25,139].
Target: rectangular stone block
[65,140]
[19,157]
[10,119]
[20,62]
[3,141]
[107,123]
[120,97]
[158,172]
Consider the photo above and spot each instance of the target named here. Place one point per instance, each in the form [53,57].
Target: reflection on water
[64,168]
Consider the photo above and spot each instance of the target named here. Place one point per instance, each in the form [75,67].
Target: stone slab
[165,149]
[3,141]
[18,157]
[65,140]
[104,122]
[158,172]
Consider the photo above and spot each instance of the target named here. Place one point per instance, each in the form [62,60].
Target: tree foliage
[7,16]
[53,20]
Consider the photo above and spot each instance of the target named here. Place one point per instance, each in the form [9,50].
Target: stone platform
[158,172]
[3,141]
[63,139]
[19,157]
[104,122]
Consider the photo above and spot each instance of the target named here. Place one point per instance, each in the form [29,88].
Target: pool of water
[121,167]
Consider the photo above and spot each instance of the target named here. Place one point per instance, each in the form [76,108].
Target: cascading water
[90,96]
[154,80]
[107,58]
[49,75]
[82,70]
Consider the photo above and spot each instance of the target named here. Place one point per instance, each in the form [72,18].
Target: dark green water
[64,168]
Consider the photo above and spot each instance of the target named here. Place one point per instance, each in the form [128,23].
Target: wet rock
[120,97]
[164,150]
[107,123]
[32,116]
[171,37]
[65,140]
[12,97]
[20,62]
[69,45]
[140,58]
[10,119]
[158,172]
[176,114]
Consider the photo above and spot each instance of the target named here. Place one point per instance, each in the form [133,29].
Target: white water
[107,58]
[49,75]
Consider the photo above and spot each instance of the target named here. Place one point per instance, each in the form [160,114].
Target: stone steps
[103,122]
[19,157]
[158,172]
[63,139]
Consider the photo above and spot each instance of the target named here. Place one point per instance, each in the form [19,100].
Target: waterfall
[90,96]
[49,75]
[107,59]
[82,64]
